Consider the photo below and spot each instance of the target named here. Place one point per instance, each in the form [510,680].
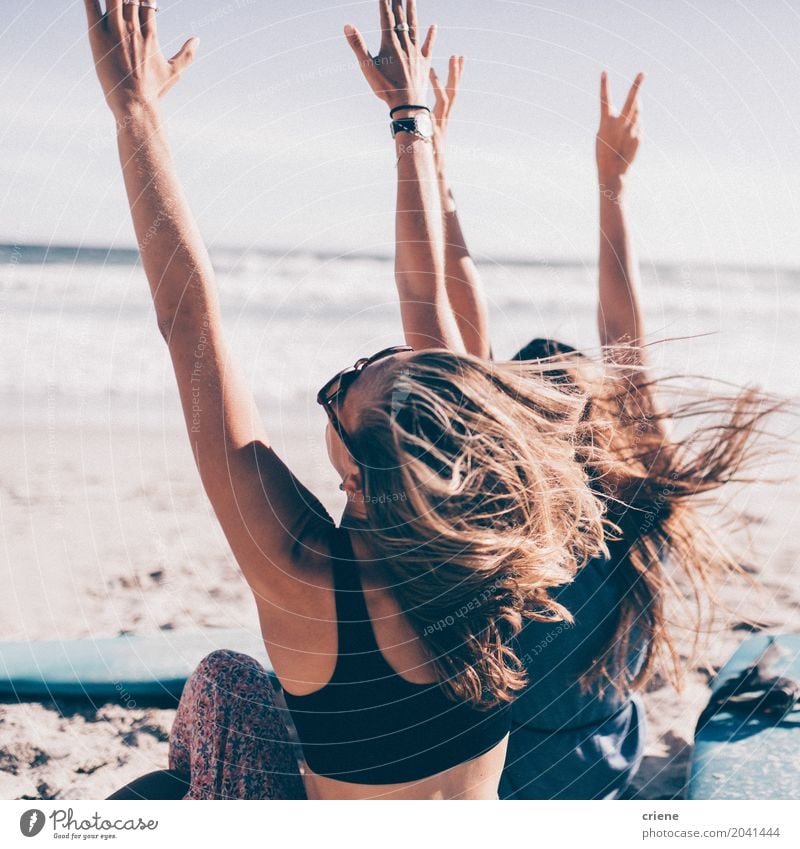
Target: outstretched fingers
[94,18]
[630,102]
[130,14]
[147,19]
[413,22]
[440,107]
[404,34]
[446,94]
[430,40]
[185,56]
[388,34]
[358,45]
[605,99]
[94,12]
[454,76]
[114,15]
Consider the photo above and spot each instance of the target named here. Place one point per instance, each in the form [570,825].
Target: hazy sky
[281,143]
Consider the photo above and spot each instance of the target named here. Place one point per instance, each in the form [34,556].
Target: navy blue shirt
[567,742]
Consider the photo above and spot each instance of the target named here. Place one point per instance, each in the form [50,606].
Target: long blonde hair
[477,506]
[668,560]
[662,464]
[489,484]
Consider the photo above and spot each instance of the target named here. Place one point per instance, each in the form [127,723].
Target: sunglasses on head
[333,392]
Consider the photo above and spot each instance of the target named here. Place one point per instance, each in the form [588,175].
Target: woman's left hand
[128,59]
[619,135]
[399,73]
[445,98]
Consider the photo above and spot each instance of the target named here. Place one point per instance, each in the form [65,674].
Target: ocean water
[79,344]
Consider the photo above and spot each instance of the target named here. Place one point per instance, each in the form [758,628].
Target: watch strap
[405,106]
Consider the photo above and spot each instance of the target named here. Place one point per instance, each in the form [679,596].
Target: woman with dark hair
[391,634]
[578,727]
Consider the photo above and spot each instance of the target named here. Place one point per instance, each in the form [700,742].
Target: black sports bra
[368,725]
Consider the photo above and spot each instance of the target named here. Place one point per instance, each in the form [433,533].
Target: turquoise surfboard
[742,753]
[145,670]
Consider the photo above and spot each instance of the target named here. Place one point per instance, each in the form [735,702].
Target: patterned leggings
[230,737]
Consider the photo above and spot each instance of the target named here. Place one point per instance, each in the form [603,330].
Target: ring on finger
[402,28]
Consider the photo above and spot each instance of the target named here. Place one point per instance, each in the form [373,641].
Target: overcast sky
[281,144]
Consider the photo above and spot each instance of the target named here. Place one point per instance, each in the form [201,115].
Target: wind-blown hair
[478,497]
[661,465]
[488,484]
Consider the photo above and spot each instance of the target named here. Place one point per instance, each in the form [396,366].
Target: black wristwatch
[419,125]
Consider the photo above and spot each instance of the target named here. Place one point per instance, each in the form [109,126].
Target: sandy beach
[108,533]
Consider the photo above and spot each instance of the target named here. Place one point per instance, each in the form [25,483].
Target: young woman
[466,499]
[578,727]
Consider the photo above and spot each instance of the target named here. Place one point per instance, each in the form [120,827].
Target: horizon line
[131,254]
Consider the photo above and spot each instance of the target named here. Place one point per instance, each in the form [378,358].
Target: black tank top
[368,725]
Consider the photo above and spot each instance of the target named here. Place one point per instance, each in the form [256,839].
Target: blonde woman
[391,633]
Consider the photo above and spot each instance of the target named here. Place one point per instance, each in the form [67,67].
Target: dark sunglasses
[333,392]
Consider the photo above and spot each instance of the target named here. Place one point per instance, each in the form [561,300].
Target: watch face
[425,125]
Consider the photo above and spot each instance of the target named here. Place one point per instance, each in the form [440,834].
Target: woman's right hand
[619,135]
[128,59]
[445,98]
[399,73]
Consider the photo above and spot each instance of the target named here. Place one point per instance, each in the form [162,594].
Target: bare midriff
[476,779]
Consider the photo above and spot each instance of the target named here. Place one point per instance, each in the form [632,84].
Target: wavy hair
[477,491]
[489,484]
[659,468]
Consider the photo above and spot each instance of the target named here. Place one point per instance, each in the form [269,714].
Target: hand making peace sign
[619,135]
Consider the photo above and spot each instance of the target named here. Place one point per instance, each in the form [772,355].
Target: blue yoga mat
[146,670]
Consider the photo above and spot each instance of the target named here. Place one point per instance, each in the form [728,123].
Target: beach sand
[107,531]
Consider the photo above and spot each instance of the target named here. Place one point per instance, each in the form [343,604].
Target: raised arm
[619,316]
[399,76]
[464,288]
[263,510]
